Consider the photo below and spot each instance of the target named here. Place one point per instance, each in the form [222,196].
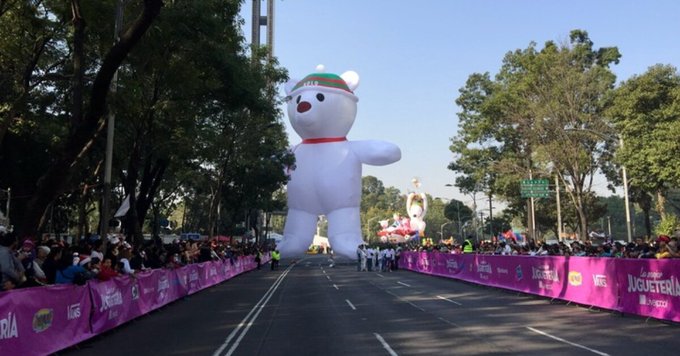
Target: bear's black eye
[298,99]
[320,97]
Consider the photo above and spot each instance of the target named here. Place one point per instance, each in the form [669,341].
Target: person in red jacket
[106,272]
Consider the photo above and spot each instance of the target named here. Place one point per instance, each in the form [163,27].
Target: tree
[84,132]
[646,111]
[536,119]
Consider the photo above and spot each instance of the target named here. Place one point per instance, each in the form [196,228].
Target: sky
[413,57]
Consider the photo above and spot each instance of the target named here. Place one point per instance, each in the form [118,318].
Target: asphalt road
[308,308]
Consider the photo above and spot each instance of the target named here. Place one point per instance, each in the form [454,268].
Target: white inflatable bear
[416,211]
[326,179]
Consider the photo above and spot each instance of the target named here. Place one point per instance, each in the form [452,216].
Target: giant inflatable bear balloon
[326,179]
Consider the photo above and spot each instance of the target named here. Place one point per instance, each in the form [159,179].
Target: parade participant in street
[370,253]
[276,257]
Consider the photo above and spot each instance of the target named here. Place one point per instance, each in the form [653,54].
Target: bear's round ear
[288,87]
[351,78]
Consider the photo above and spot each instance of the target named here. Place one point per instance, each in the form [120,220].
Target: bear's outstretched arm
[376,153]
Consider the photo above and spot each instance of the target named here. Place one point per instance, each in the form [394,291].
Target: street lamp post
[625,196]
[104,218]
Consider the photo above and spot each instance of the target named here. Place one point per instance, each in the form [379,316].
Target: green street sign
[535,188]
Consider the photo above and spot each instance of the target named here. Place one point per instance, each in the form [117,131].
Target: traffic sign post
[534,188]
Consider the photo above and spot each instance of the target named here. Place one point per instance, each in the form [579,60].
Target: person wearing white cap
[41,254]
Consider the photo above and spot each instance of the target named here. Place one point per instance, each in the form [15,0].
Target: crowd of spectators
[660,248]
[30,263]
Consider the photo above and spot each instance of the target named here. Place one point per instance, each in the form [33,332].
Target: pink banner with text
[591,281]
[40,321]
[43,320]
[650,288]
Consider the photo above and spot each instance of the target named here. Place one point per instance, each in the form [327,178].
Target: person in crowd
[174,261]
[32,272]
[205,253]
[370,252]
[467,245]
[124,261]
[666,248]
[363,258]
[97,250]
[11,268]
[258,259]
[359,253]
[41,255]
[384,259]
[51,264]
[106,271]
[389,258]
[70,271]
[138,260]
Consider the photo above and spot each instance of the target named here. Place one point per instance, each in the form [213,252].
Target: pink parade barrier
[642,287]
[40,321]
[650,288]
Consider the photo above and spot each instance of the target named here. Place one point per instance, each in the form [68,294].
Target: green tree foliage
[541,115]
[197,118]
[646,111]
[378,203]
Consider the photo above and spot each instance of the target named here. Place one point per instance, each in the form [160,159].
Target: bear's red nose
[303,106]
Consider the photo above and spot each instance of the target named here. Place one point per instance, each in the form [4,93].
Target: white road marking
[324,272]
[567,342]
[449,322]
[417,307]
[248,321]
[385,344]
[350,304]
[328,278]
[381,276]
[448,300]
[336,287]
[403,284]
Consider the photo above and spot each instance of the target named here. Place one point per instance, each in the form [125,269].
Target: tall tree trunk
[82,212]
[645,202]
[78,65]
[151,181]
[132,224]
[661,204]
[79,142]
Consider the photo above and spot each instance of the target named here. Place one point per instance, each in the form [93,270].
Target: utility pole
[104,219]
[625,196]
[559,208]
